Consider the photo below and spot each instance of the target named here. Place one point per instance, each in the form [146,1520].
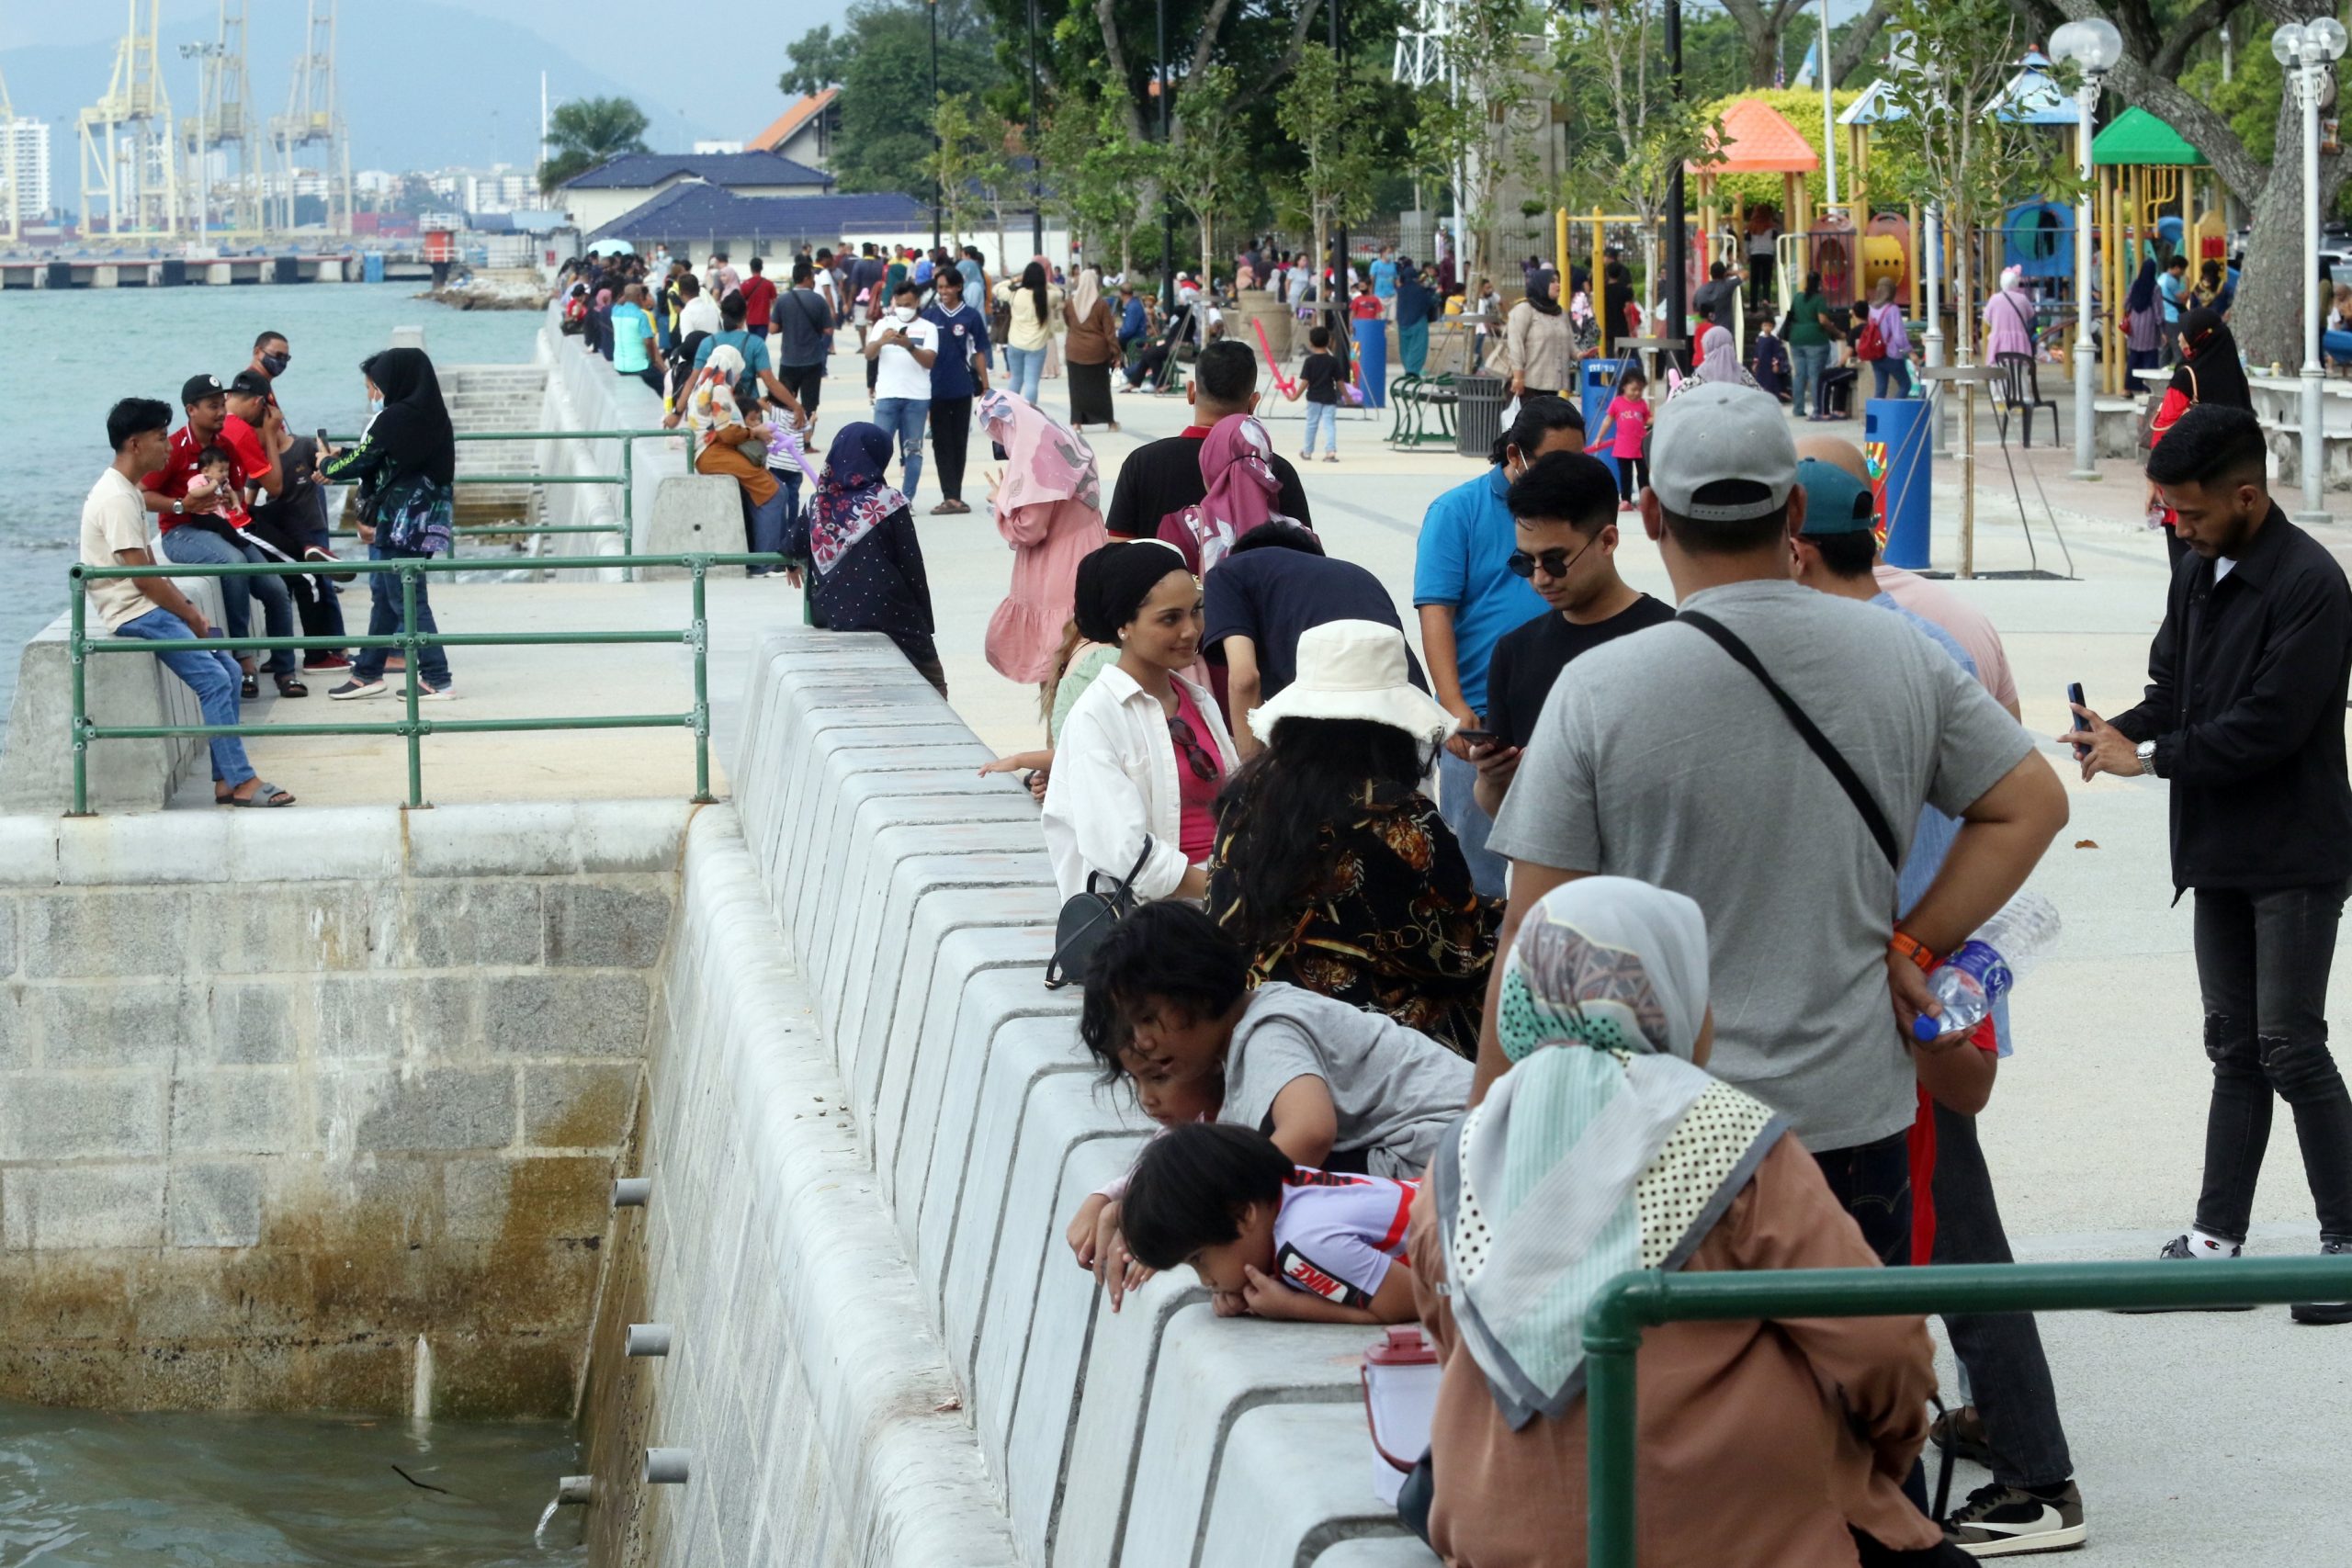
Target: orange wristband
[1902,943]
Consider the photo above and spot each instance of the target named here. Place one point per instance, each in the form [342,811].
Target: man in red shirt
[209,529]
[759,298]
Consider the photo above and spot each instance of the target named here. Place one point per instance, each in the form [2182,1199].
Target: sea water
[71,353]
[95,1490]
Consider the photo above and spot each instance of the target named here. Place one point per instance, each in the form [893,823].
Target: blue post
[1898,436]
[1596,384]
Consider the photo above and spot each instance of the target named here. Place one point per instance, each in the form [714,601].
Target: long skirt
[1371,361]
[1413,347]
[1089,394]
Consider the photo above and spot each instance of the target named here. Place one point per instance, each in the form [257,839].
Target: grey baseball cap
[1718,432]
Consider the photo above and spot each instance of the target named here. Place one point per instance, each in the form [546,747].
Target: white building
[26,151]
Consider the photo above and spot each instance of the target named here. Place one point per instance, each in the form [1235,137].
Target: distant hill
[423,83]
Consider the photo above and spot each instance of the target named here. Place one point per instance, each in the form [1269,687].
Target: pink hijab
[1045,462]
[1237,461]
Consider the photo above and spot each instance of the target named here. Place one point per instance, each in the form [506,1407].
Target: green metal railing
[414,727]
[1634,1301]
[626,480]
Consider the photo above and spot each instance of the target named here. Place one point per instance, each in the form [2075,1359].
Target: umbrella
[612,248]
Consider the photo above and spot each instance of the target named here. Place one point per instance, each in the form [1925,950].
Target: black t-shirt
[1322,373]
[802,319]
[1717,299]
[1164,476]
[1529,659]
[1273,594]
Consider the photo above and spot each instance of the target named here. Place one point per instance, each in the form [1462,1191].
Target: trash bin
[1898,443]
[1595,386]
[1479,415]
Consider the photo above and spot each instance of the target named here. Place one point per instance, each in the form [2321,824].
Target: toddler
[1270,1238]
[1094,1233]
[215,476]
[1319,379]
[1627,427]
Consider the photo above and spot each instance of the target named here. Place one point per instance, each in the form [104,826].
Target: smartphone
[2082,724]
[1477,737]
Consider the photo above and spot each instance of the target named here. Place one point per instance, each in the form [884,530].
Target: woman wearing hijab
[1891,371]
[720,432]
[1718,358]
[1091,349]
[2210,372]
[406,467]
[1538,334]
[859,537]
[2143,320]
[1414,307]
[1049,506]
[1138,761]
[1332,869]
[1607,1148]
[1237,464]
[2008,319]
[1034,311]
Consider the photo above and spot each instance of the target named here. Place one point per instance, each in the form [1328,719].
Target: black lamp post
[1337,305]
[1036,189]
[1678,258]
[1167,212]
[937,195]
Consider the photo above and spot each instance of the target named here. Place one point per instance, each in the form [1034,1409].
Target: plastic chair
[2019,392]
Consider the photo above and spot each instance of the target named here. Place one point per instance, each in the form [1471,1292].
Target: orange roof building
[805,132]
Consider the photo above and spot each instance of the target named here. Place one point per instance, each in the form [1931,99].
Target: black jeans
[1633,477]
[2261,963]
[951,434]
[805,382]
[1872,1182]
[2009,1376]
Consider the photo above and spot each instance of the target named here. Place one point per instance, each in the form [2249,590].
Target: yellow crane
[129,158]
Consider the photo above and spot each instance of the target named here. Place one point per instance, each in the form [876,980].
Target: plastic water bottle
[1982,969]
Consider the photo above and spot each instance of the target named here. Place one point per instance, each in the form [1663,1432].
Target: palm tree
[584,133]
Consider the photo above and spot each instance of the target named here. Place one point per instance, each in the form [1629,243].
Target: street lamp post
[1036,189]
[2308,51]
[2094,46]
[938,192]
[1678,251]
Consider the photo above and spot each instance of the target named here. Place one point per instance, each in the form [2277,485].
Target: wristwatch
[2147,755]
[179,506]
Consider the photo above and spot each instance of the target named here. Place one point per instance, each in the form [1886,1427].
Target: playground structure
[2144,165]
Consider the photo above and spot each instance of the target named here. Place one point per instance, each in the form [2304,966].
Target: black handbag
[1087,917]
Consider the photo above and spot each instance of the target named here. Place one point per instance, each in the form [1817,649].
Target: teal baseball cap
[1835,501]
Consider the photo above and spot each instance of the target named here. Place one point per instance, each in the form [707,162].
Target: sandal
[264,795]
[250,690]
[292,686]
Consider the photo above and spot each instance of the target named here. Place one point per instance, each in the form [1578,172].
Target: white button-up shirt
[1114,783]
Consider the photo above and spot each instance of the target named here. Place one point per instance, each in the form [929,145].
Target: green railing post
[628,507]
[76,653]
[1613,1333]
[409,660]
[699,635]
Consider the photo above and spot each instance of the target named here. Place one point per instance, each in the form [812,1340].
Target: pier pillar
[330,269]
[106,277]
[221,274]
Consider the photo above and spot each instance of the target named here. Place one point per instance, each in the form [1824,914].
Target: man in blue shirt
[957,376]
[1384,281]
[1468,597]
[1134,324]
[2172,291]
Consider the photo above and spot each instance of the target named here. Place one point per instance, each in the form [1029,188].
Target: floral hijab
[1603,1149]
[1046,461]
[1237,461]
[852,499]
[711,400]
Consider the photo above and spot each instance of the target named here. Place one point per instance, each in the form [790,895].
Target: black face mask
[275,364]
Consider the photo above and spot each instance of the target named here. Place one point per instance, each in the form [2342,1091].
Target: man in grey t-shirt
[1668,762]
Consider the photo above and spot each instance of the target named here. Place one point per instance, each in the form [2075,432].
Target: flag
[1804,72]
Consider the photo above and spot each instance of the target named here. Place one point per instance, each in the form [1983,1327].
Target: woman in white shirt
[1139,761]
[1035,306]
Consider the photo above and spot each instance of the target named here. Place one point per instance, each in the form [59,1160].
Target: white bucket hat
[1355,670]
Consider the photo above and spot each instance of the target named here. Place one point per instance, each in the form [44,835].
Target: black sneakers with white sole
[2324,1311]
[2177,1250]
[2012,1522]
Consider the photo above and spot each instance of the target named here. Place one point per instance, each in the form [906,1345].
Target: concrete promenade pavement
[2197,1438]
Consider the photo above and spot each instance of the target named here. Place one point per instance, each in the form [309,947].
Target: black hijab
[2210,371]
[1113,582]
[414,430]
[1539,291]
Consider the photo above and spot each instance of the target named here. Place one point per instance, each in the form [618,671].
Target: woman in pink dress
[1050,508]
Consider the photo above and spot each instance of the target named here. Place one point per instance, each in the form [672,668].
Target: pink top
[1049,509]
[1630,430]
[1196,797]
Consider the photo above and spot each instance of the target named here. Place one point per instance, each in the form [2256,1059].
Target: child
[1629,419]
[1338,1087]
[1270,1238]
[1319,377]
[1768,361]
[1094,1235]
[216,475]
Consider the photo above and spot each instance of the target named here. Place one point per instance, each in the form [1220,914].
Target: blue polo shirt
[961,336]
[1467,537]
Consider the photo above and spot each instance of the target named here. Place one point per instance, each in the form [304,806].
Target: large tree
[881,60]
[2162,44]
[1322,110]
[1630,129]
[584,133]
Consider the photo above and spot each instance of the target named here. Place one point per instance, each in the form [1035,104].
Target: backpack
[1871,344]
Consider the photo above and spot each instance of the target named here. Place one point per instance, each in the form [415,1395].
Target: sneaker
[325,661]
[2004,1521]
[2179,1250]
[2324,1311]
[354,688]
[426,693]
[1962,1430]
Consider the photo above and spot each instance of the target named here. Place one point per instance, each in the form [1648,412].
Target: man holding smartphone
[2244,718]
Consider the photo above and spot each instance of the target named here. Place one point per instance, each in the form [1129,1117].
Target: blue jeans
[213,677]
[384,620]
[1489,873]
[1326,416]
[2336,347]
[904,417]
[1810,360]
[1023,368]
[197,546]
[1889,372]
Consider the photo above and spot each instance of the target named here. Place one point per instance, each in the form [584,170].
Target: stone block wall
[278,1098]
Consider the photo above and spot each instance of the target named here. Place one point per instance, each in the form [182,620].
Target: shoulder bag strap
[1839,768]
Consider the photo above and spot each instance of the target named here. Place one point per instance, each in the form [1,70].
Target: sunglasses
[1555,562]
[1197,757]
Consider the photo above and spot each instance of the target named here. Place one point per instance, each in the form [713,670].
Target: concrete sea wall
[281,1093]
[867,1125]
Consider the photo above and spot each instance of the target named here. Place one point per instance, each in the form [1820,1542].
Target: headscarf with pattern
[1603,1149]
[1044,460]
[852,498]
[1237,464]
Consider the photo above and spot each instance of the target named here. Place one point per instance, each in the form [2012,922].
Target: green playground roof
[2137,137]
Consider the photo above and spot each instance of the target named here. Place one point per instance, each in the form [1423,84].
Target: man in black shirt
[1164,476]
[1718,297]
[1272,586]
[2243,718]
[1564,509]
[804,326]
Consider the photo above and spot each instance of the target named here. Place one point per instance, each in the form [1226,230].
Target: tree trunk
[2267,319]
